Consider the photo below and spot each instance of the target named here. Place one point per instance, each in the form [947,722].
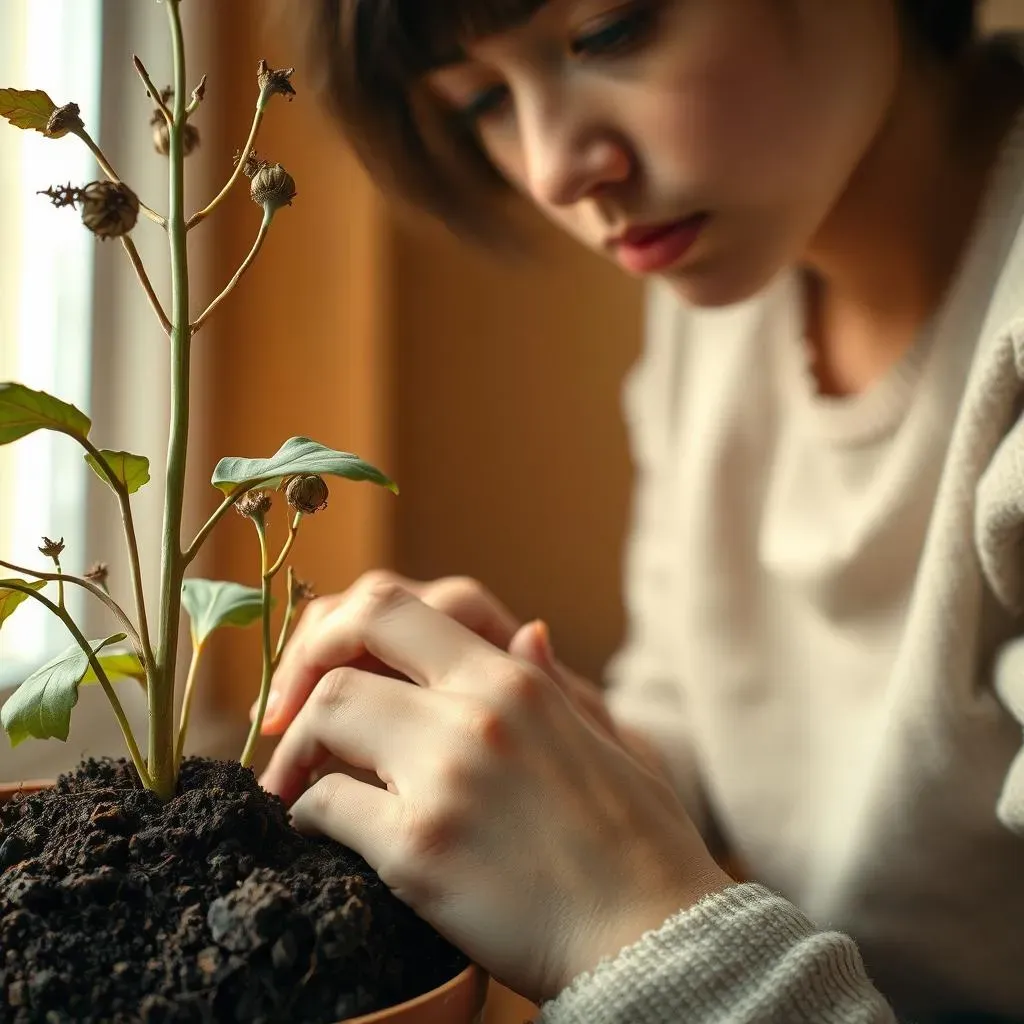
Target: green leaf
[24,411]
[10,599]
[211,604]
[117,666]
[130,470]
[42,705]
[26,108]
[299,455]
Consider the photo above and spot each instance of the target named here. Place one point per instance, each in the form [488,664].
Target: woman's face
[705,141]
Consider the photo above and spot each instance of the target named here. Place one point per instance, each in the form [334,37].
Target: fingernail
[543,637]
[273,703]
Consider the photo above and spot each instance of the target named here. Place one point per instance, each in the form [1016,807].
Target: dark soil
[116,908]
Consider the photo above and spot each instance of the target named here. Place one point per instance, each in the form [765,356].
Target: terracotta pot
[459,1001]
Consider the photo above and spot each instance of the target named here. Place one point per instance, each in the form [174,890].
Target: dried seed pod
[307,494]
[302,591]
[254,505]
[272,187]
[109,208]
[98,574]
[63,120]
[52,548]
[162,137]
[271,81]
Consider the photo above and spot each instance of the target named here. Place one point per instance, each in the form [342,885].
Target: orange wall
[488,389]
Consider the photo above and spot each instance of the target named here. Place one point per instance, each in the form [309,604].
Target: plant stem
[261,237]
[261,710]
[201,215]
[193,548]
[60,583]
[147,285]
[128,521]
[113,175]
[172,569]
[101,676]
[289,617]
[154,93]
[293,532]
[96,591]
[197,97]
[186,706]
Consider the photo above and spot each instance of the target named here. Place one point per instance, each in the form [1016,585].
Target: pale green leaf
[26,108]
[10,599]
[299,455]
[24,411]
[42,705]
[212,604]
[117,666]
[130,470]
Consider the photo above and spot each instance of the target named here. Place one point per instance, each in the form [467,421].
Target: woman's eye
[483,104]
[616,35]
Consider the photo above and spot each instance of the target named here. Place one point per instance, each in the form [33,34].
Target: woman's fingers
[328,634]
[354,716]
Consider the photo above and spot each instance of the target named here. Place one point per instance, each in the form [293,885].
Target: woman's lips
[649,250]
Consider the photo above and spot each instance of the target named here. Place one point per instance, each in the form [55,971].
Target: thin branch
[193,548]
[101,676]
[124,501]
[201,215]
[268,216]
[197,97]
[293,532]
[147,286]
[153,91]
[109,171]
[98,592]
[289,618]
[268,654]
[186,705]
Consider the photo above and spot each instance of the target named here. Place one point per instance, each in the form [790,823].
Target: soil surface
[117,908]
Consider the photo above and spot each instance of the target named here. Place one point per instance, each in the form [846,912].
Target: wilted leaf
[10,599]
[42,705]
[117,666]
[131,470]
[299,455]
[211,604]
[24,411]
[26,108]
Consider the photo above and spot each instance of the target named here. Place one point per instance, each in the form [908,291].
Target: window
[46,286]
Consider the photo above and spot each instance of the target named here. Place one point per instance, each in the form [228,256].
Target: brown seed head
[109,208]
[254,505]
[272,187]
[302,591]
[63,120]
[162,137]
[63,195]
[307,494]
[98,573]
[253,163]
[52,548]
[271,82]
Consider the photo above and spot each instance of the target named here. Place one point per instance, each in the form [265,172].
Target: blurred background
[489,389]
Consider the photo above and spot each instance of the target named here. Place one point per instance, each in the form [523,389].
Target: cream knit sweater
[826,601]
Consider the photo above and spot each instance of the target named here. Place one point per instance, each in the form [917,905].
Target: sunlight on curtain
[46,265]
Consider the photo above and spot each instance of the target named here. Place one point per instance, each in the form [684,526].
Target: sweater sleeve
[644,691]
[743,956]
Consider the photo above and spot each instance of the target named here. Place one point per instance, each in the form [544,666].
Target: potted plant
[161,888]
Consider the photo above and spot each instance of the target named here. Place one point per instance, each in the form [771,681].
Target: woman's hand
[516,826]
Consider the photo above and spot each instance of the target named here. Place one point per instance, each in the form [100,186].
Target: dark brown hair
[370,54]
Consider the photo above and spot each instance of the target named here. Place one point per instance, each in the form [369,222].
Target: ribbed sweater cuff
[741,956]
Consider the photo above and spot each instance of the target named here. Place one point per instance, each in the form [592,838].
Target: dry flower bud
[63,120]
[109,208]
[98,573]
[63,195]
[307,494]
[162,137]
[272,187]
[254,505]
[271,82]
[302,591]
[52,548]
[253,163]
